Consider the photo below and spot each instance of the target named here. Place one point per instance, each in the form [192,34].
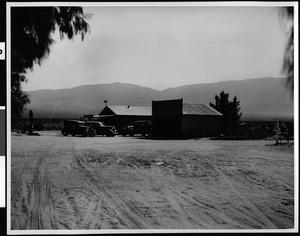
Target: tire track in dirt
[264,219]
[36,193]
[286,185]
[47,206]
[256,165]
[26,168]
[173,199]
[216,211]
[173,195]
[20,178]
[121,206]
[40,190]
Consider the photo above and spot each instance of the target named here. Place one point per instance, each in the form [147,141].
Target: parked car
[102,129]
[77,127]
[143,127]
[127,130]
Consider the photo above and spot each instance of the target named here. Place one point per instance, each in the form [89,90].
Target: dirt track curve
[62,182]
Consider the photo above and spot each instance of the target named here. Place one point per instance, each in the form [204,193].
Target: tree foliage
[287,13]
[31,39]
[229,109]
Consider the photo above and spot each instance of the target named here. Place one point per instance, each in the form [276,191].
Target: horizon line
[222,81]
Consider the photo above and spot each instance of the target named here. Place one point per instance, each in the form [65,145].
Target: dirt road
[62,182]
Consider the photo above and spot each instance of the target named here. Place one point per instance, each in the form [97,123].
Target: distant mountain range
[259,98]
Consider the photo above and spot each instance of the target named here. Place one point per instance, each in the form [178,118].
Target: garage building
[120,116]
[175,119]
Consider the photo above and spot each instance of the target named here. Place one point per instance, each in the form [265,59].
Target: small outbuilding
[175,119]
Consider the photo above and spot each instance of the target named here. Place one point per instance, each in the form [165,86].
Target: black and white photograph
[149,117]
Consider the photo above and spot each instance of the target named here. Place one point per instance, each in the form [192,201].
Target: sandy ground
[69,182]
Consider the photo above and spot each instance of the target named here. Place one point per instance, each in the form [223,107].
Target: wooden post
[31,121]
[277,132]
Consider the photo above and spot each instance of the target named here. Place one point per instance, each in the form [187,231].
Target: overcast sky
[162,47]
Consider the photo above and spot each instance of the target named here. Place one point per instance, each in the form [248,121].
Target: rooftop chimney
[106,102]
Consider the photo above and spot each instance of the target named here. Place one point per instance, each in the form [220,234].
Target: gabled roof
[131,110]
[187,109]
[199,109]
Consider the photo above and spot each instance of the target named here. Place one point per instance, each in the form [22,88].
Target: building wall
[119,121]
[106,111]
[167,107]
[166,127]
[167,119]
[200,125]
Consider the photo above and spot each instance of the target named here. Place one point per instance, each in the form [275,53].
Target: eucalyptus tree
[31,39]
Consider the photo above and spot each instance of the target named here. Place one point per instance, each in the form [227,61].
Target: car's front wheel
[110,134]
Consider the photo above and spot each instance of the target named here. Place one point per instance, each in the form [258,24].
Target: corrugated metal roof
[199,109]
[187,109]
[131,110]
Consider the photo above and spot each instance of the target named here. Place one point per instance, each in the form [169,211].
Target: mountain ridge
[259,97]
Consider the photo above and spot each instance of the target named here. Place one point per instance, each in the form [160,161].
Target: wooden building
[175,119]
[120,116]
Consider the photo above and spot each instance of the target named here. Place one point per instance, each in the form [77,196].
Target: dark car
[143,127]
[77,127]
[127,130]
[101,129]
